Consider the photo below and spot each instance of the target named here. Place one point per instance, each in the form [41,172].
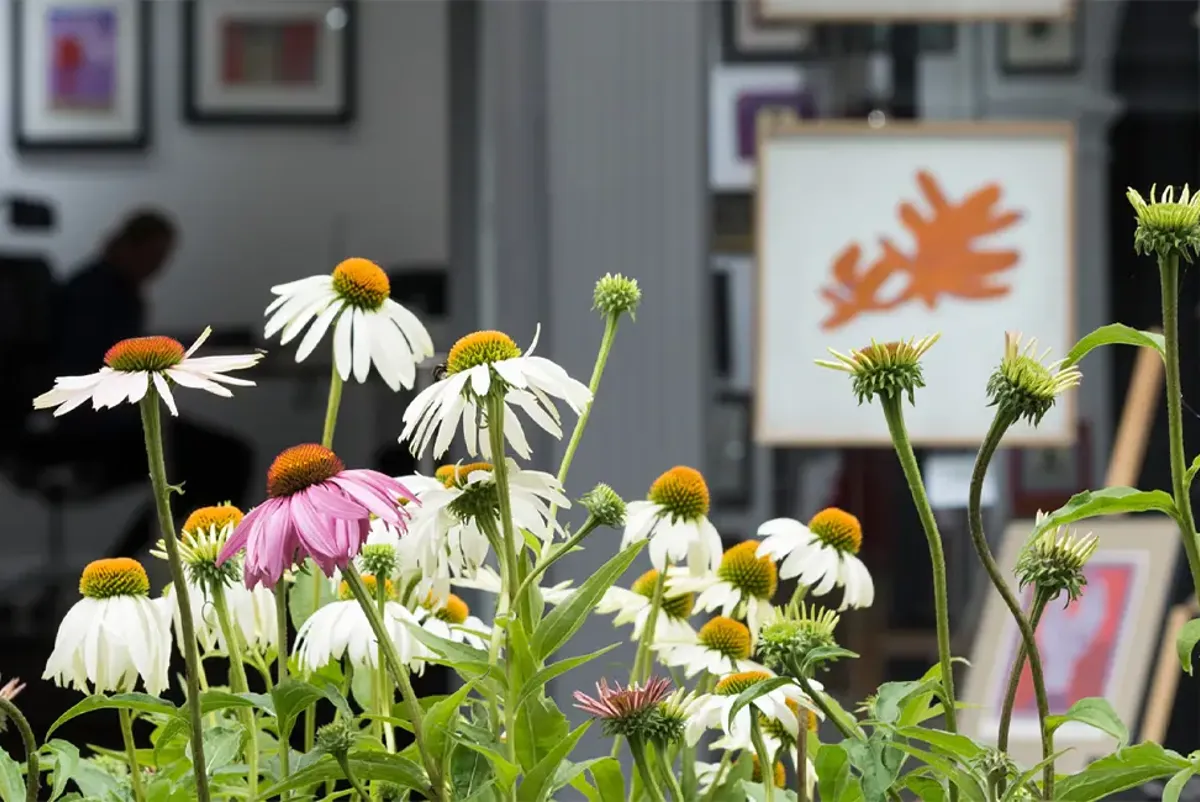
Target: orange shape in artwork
[946,261]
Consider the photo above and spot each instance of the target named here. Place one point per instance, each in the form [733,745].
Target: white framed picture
[912,10]
[962,229]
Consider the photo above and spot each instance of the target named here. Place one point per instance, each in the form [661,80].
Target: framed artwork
[733,300]
[1045,479]
[80,74]
[1102,644]
[911,10]
[738,94]
[744,37]
[730,470]
[269,62]
[1041,47]
[994,199]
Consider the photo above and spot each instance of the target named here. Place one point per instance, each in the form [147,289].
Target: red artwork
[268,53]
[1079,643]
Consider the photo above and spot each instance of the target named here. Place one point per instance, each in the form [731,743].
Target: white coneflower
[477,365]
[822,555]
[450,618]
[368,326]
[783,706]
[722,645]
[341,629]
[742,587]
[132,365]
[633,605]
[114,634]
[675,519]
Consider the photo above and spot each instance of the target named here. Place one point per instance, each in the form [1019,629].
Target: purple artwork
[82,56]
[749,104]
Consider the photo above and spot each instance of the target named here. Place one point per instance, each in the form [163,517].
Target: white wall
[260,206]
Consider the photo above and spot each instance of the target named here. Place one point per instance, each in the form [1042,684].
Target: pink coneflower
[626,711]
[9,691]
[316,509]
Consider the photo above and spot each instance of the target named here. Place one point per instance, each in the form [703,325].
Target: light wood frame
[899,11]
[776,124]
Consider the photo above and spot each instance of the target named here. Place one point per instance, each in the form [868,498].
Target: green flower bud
[1166,227]
[1024,385]
[605,506]
[886,370]
[617,295]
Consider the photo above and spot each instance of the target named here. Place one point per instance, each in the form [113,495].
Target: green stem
[668,774]
[1040,600]
[238,681]
[638,747]
[32,772]
[281,668]
[766,762]
[1169,273]
[383,687]
[399,674]
[818,698]
[135,771]
[606,344]
[726,759]
[152,429]
[517,602]
[802,763]
[331,408]
[588,527]
[894,413]
[987,450]
[344,762]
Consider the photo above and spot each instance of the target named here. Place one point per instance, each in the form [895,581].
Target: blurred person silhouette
[100,305]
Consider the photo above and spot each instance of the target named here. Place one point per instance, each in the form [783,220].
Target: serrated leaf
[1096,713]
[139,702]
[1185,643]
[1115,334]
[1124,769]
[1107,501]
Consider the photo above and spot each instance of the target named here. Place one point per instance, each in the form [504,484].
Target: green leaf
[12,784]
[1124,769]
[66,760]
[470,772]
[1027,779]
[365,765]
[877,762]
[565,620]
[813,658]
[756,793]
[1175,787]
[840,713]
[1185,643]
[439,723]
[1096,713]
[305,590]
[139,702]
[608,778]
[891,697]
[763,686]
[214,700]
[291,697]
[544,675]
[506,772]
[540,726]
[957,746]
[1190,474]
[967,783]
[94,781]
[1115,334]
[833,771]
[1108,501]
[538,781]
[927,789]
[222,744]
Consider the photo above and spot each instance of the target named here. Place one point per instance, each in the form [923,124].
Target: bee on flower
[742,587]
[674,517]
[369,328]
[822,555]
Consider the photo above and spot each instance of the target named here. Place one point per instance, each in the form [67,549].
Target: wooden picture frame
[803,242]
[67,99]
[1045,479]
[274,85]
[1041,47]
[912,10]
[1160,700]
[1102,645]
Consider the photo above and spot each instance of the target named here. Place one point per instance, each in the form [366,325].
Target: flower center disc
[361,283]
[144,353]
[756,772]
[679,607]
[752,575]
[454,611]
[480,348]
[734,684]
[117,576]
[775,729]
[456,475]
[370,583]
[682,492]
[301,467]
[724,635]
[837,529]
[217,517]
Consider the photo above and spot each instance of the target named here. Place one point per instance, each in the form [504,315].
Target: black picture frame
[1069,66]
[195,114]
[734,51]
[101,143]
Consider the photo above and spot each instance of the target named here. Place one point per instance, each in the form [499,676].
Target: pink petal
[365,495]
[327,499]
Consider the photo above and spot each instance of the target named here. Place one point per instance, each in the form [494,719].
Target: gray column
[596,152]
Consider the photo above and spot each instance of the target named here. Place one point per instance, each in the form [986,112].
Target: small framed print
[730,451]
[80,74]
[745,38]
[269,62]
[1045,47]
[1046,478]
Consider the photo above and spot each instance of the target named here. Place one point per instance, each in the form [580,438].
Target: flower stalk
[383,687]
[766,760]
[239,682]
[135,771]
[1040,600]
[1005,417]
[152,430]
[32,772]
[802,764]
[281,667]
[637,746]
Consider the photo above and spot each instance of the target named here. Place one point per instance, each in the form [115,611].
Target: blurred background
[496,158]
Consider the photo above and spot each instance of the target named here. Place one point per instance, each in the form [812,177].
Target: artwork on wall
[1041,47]
[1101,645]
[272,62]
[81,74]
[911,10]
[993,200]
[745,38]
[738,94]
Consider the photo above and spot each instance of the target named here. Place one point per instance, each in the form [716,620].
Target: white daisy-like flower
[450,618]
[487,580]
[114,634]
[675,518]
[742,587]
[132,365]
[822,555]
[709,773]
[478,364]
[341,629]
[722,645]
[368,326]
[633,606]
[781,711]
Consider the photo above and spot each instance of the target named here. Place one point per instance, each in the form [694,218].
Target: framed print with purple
[269,62]
[1100,645]
[81,74]
[739,93]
